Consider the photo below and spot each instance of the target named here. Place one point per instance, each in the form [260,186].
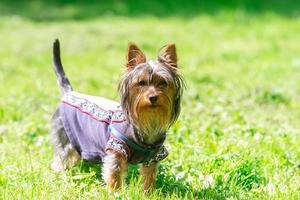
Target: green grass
[238,135]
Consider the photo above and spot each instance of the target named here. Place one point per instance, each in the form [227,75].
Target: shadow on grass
[42,10]
[170,185]
[85,167]
[166,182]
[246,176]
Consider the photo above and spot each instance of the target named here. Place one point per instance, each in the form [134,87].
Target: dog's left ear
[168,55]
[135,56]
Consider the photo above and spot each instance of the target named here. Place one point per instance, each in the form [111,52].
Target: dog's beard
[152,122]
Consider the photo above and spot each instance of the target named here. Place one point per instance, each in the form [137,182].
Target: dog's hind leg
[65,155]
[66,158]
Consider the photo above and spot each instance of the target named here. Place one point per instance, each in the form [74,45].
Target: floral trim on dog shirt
[78,100]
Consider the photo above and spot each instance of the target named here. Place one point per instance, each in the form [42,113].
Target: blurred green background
[84,10]
[239,132]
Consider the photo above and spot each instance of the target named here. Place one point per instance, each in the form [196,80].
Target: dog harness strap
[148,152]
[125,139]
[148,156]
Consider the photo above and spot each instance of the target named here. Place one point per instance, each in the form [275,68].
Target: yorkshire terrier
[116,134]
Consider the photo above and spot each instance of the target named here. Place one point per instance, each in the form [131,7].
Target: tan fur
[62,162]
[149,176]
[135,56]
[114,170]
[168,55]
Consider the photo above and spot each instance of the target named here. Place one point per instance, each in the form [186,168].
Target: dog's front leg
[114,170]
[149,175]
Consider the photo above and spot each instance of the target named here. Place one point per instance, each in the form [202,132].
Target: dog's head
[151,90]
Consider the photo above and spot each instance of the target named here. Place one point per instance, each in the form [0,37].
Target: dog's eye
[162,83]
[142,83]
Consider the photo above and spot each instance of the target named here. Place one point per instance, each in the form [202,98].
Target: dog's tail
[62,79]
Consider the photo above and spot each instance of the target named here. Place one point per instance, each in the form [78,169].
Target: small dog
[97,129]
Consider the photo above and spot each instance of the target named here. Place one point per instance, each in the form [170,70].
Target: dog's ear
[168,55]
[134,56]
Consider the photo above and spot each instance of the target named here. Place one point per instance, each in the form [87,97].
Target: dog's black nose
[153,99]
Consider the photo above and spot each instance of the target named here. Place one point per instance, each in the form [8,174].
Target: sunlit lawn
[238,135]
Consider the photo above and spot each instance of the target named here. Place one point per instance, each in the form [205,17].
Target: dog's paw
[57,165]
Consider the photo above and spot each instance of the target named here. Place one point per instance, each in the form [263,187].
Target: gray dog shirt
[95,125]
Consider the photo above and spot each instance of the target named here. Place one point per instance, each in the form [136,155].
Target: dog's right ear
[134,56]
